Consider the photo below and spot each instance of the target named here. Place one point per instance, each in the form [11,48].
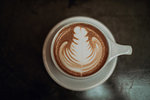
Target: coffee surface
[80,49]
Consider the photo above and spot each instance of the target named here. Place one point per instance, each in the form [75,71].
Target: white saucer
[67,82]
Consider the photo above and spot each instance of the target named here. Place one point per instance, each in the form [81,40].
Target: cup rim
[52,54]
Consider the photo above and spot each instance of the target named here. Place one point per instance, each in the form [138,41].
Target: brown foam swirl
[82,53]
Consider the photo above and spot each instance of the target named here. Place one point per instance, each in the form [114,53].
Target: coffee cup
[99,72]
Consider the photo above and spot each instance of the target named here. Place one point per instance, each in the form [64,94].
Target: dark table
[24,26]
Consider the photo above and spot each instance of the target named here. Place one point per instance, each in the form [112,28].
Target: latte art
[79,50]
[81,56]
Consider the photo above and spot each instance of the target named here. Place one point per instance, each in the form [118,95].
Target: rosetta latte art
[82,55]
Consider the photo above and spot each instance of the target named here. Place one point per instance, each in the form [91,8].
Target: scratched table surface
[24,26]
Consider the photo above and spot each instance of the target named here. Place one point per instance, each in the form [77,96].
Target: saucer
[71,83]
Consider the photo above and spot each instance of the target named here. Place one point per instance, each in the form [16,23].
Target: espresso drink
[80,49]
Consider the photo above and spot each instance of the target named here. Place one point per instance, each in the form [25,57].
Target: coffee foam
[80,57]
[82,52]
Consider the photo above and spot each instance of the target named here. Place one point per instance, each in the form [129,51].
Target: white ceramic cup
[82,83]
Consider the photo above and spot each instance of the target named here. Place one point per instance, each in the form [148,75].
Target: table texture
[24,25]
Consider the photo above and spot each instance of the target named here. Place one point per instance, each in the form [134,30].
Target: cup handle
[117,50]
